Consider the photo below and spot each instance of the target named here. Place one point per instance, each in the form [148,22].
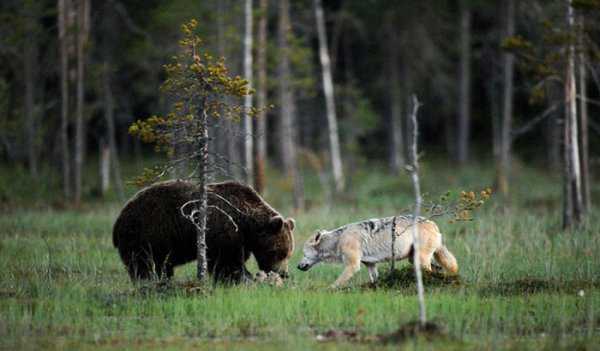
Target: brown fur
[153,237]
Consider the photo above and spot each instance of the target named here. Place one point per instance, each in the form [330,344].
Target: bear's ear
[291,223]
[275,224]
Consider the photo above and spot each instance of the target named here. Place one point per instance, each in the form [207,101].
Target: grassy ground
[525,284]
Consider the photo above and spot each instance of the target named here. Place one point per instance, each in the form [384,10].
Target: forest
[479,116]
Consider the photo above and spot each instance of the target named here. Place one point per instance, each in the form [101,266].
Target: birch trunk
[503,171]
[464,99]
[83,14]
[64,91]
[414,176]
[572,189]
[248,134]
[261,100]
[333,137]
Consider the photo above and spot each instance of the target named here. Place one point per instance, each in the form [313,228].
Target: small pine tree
[200,87]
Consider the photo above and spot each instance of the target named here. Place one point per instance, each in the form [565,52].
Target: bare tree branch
[533,122]
[131,25]
[191,216]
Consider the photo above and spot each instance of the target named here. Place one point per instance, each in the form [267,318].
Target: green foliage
[542,55]
[586,5]
[459,208]
[199,84]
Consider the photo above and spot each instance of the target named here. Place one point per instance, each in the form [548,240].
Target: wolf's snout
[303,266]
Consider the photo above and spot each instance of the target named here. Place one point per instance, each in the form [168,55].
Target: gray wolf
[370,241]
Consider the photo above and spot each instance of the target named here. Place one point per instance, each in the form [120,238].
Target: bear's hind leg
[139,268]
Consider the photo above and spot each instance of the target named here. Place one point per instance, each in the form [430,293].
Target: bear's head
[275,245]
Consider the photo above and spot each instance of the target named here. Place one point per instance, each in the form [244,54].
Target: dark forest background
[485,71]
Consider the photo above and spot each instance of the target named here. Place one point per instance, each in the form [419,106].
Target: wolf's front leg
[351,255]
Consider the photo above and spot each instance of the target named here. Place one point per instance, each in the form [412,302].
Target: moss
[528,286]
[405,277]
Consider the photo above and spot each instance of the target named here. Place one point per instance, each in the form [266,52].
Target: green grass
[525,284]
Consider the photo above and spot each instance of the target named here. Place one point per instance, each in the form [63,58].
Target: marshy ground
[524,282]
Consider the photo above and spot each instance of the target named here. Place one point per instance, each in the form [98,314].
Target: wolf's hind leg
[425,258]
[373,273]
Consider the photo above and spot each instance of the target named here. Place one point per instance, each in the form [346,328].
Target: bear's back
[151,210]
[247,202]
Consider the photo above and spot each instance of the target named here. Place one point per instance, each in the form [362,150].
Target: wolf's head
[313,252]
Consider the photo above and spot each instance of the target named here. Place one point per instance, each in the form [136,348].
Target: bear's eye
[277,255]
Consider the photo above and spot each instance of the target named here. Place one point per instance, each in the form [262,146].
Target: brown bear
[153,237]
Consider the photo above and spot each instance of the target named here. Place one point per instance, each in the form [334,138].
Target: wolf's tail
[446,259]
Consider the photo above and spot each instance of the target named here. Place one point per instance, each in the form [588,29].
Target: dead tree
[413,170]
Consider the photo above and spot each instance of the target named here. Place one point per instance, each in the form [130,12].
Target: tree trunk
[572,213]
[584,142]
[287,135]
[227,139]
[414,176]
[64,84]
[30,73]
[395,100]
[333,137]
[202,204]
[464,99]
[261,100]
[553,128]
[110,131]
[83,15]
[109,105]
[247,118]
[104,153]
[504,164]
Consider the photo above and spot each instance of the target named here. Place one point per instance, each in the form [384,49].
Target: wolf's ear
[318,236]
